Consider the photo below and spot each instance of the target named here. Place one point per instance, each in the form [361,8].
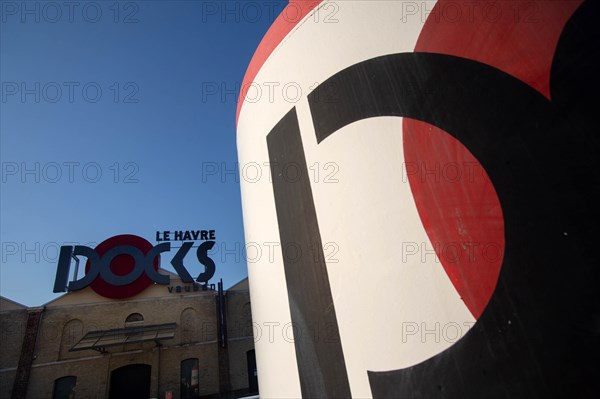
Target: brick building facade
[165,342]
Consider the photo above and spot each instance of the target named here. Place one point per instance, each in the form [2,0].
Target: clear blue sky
[150,132]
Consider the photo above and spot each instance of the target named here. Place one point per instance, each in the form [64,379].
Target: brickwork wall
[12,330]
[239,332]
[64,325]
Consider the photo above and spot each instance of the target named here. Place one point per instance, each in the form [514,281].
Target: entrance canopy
[101,339]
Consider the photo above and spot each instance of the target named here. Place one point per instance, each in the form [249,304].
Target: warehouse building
[179,341]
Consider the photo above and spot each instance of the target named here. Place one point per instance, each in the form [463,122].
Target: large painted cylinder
[419,189]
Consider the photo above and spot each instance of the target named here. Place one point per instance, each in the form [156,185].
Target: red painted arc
[458,208]
[520,39]
[291,15]
[122,265]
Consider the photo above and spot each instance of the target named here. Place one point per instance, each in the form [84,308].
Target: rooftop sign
[124,265]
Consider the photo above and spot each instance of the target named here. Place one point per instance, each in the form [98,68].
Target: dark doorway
[130,382]
[189,379]
[252,373]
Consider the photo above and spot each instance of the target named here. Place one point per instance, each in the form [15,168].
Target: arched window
[189,326]
[134,319]
[190,379]
[64,387]
[71,334]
